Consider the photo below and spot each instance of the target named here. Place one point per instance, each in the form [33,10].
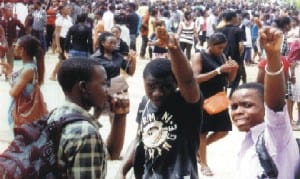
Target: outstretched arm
[181,68]
[271,40]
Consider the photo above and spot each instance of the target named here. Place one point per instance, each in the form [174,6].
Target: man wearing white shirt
[62,25]
[211,22]
[108,18]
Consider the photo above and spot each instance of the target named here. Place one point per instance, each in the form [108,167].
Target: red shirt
[51,16]
[285,63]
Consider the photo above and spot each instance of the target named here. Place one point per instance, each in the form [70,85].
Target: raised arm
[271,40]
[182,70]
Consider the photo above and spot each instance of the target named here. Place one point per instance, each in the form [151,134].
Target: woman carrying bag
[212,71]
[27,101]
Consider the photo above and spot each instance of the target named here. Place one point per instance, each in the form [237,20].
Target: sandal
[206,171]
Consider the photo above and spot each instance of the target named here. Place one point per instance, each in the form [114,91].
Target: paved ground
[220,154]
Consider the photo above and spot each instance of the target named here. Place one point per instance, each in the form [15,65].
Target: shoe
[206,171]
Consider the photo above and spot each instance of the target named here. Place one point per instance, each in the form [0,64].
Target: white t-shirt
[65,23]
[108,19]
[210,22]
[125,34]
[198,23]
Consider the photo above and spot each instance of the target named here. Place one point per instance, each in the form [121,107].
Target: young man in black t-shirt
[235,44]
[169,119]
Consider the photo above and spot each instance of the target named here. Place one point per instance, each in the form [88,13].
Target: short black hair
[255,86]
[73,70]
[216,39]
[81,18]
[132,6]
[229,15]
[282,21]
[158,68]
[102,38]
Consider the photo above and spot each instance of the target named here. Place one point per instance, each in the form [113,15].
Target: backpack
[266,162]
[32,153]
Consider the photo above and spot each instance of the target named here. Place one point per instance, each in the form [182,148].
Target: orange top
[51,16]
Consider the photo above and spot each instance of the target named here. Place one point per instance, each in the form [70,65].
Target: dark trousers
[132,45]
[49,35]
[143,46]
[39,34]
[187,48]
[241,74]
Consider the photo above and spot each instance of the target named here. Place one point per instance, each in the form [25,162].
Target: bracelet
[274,73]
[218,70]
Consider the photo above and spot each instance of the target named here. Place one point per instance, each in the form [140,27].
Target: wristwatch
[218,70]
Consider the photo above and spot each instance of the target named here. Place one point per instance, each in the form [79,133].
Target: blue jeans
[76,53]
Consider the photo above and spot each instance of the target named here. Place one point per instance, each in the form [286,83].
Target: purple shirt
[280,143]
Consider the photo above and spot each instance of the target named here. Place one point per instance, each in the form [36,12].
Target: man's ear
[82,86]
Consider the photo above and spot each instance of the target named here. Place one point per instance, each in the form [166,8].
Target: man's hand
[6,68]
[162,36]
[164,39]
[119,103]
[131,55]
[270,40]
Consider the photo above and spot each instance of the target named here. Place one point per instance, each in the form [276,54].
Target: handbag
[216,103]
[29,108]
[119,102]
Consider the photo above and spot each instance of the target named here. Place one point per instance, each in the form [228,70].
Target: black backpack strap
[267,163]
[55,127]
[298,143]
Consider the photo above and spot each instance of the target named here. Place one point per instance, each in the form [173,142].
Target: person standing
[108,18]
[211,22]
[98,28]
[235,45]
[51,17]
[144,30]
[81,150]
[121,46]
[259,112]
[79,41]
[168,118]
[10,25]
[113,62]
[62,25]
[213,71]
[133,25]
[186,33]
[24,81]
[39,24]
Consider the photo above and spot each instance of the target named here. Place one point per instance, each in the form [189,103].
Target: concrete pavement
[220,154]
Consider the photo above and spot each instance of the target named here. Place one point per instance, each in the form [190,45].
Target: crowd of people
[195,50]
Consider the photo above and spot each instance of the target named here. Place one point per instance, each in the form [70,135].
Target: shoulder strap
[298,143]
[55,127]
[35,73]
[267,163]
